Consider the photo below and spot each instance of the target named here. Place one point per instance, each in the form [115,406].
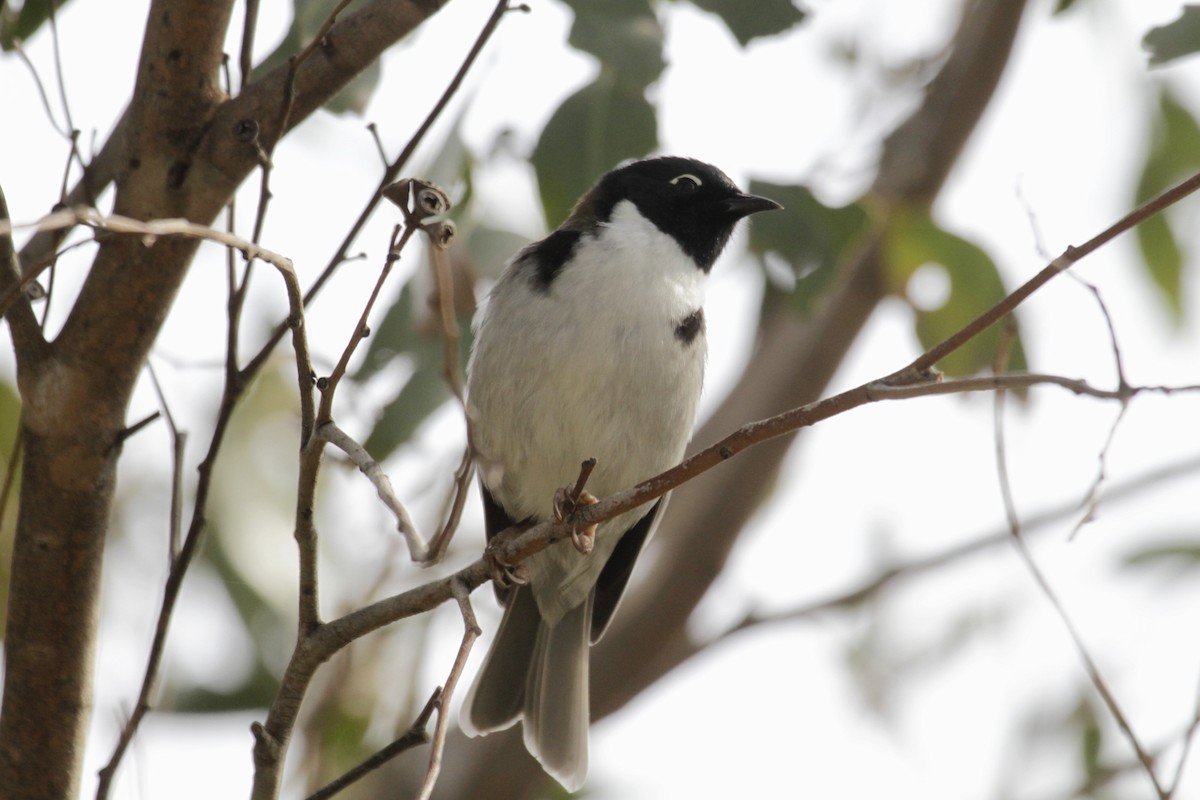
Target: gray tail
[539,674]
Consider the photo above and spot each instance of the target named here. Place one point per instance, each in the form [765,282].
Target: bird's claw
[504,574]
[565,506]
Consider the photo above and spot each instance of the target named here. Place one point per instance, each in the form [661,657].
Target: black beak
[743,205]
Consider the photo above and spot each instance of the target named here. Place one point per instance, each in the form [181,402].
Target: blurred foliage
[748,21]
[10,416]
[1175,39]
[913,240]
[1178,558]
[400,334]
[17,26]
[1173,153]
[609,120]
[811,237]
[258,686]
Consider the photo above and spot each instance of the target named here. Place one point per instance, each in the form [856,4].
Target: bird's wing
[495,520]
[615,575]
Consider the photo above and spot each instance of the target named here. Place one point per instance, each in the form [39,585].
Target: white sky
[777,712]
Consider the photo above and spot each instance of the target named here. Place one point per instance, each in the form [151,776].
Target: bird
[590,345]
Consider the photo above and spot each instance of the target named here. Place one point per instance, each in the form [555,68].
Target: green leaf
[399,336]
[1175,39]
[750,20]
[1091,737]
[307,18]
[423,392]
[604,123]
[1174,152]
[19,26]
[621,33]
[809,235]
[912,241]
[609,120]
[1180,558]
[1063,6]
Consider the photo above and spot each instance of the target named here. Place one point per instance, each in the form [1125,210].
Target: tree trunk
[179,150]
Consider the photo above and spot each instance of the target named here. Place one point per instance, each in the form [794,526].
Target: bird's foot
[503,573]
[565,506]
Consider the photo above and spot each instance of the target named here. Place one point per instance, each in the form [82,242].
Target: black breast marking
[550,255]
[690,327]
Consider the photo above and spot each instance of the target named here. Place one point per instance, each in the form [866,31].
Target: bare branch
[149,230]
[330,432]
[1092,498]
[178,448]
[415,735]
[65,132]
[471,632]
[1186,746]
[328,386]
[182,560]
[246,52]
[1068,259]
[26,332]
[1093,671]
[458,500]
[391,173]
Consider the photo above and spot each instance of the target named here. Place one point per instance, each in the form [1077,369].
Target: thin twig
[585,471]
[890,575]
[266,153]
[246,52]
[458,501]
[1092,497]
[41,89]
[149,230]
[60,78]
[1186,745]
[471,632]
[368,466]
[178,449]
[1089,664]
[390,174]
[415,736]
[125,434]
[1069,257]
[328,386]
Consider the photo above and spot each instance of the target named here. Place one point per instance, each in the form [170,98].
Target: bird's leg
[501,571]
[565,506]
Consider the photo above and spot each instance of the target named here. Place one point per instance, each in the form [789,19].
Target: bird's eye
[687,182]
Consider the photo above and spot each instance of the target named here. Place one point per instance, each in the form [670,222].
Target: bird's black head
[695,203]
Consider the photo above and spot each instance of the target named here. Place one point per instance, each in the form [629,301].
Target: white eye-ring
[686,181]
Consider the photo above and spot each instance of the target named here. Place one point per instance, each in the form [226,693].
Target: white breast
[591,369]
